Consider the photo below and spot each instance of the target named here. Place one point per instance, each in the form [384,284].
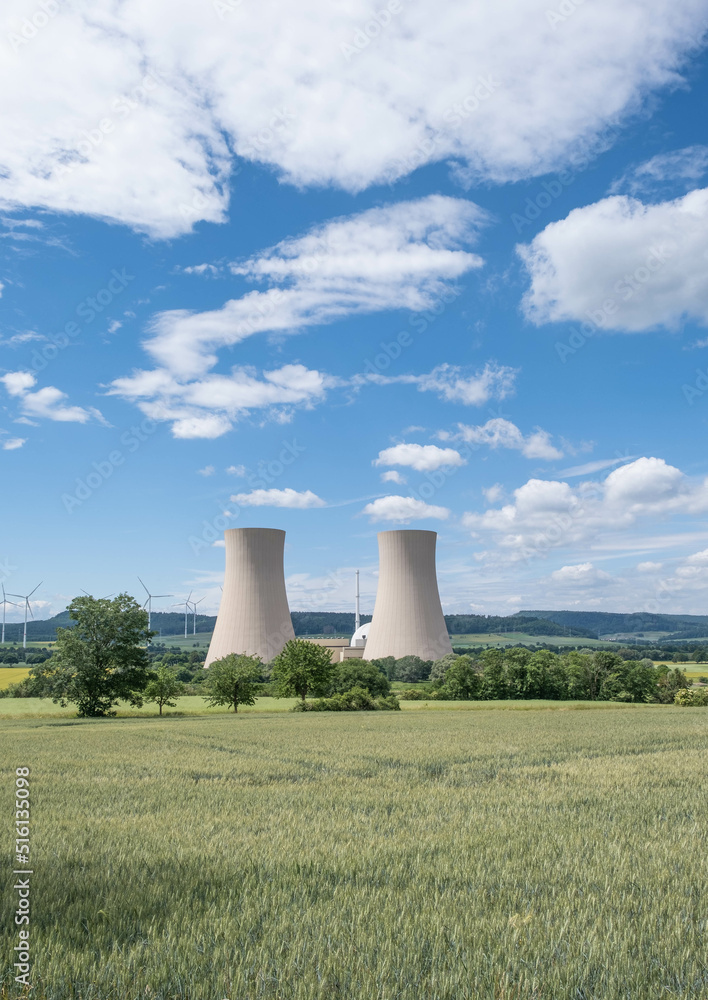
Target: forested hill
[323,623]
[605,623]
[479,624]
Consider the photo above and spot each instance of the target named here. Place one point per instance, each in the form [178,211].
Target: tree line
[106,658]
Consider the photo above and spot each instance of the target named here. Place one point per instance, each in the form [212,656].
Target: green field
[449,855]
[512,638]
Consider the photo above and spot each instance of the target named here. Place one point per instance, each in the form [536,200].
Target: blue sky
[340,273]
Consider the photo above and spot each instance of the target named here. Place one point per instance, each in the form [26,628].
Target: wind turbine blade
[29,606]
[36,588]
[144,588]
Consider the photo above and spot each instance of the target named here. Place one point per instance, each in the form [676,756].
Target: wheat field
[528,854]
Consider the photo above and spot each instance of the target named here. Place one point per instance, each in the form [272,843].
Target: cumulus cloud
[279,498]
[545,515]
[393,477]
[403,510]
[208,470]
[47,403]
[141,129]
[209,407]
[622,265]
[421,457]
[493,494]
[581,574]
[501,433]
[17,383]
[649,567]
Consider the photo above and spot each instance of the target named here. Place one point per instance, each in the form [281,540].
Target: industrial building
[408,617]
[254,616]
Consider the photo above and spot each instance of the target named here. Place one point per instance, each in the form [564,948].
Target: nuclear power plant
[408,616]
[254,616]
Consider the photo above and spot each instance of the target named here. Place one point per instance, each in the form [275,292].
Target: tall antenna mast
[357,616]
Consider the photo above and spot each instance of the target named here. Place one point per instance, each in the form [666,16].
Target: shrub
[691,698]
[358,699]
[414,694]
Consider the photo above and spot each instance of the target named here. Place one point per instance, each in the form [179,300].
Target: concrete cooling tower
[408,617]
[254,616]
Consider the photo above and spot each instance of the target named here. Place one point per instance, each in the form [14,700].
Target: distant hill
[172,623]
[583,624]
[478,624]
[606,623]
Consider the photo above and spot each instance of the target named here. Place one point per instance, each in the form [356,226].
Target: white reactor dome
[359,637]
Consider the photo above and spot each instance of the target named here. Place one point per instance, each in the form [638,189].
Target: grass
[530,855]
[511,638]
[193,705]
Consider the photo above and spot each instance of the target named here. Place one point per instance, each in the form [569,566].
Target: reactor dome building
[254,616]
[408,617]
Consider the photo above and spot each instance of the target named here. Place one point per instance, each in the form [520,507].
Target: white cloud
[236,470]
[403,510]
[200,269]
[22,338]
[47,403]
[208,407]
[546,515]
[400,256]
[139,130]
[621,265]
[17,383]
[421,457]
[455,384]
[649,567]
[493,494]
[597,466]
[501,433]
[689,164]
[12,444]
[449,381]
[114,325]
[208,470]
[581,574]
[393,477]
[279,498]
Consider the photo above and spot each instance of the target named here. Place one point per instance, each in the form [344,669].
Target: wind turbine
[5,602]
[194,612]
[148,603]
[186,604]
[26,599]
